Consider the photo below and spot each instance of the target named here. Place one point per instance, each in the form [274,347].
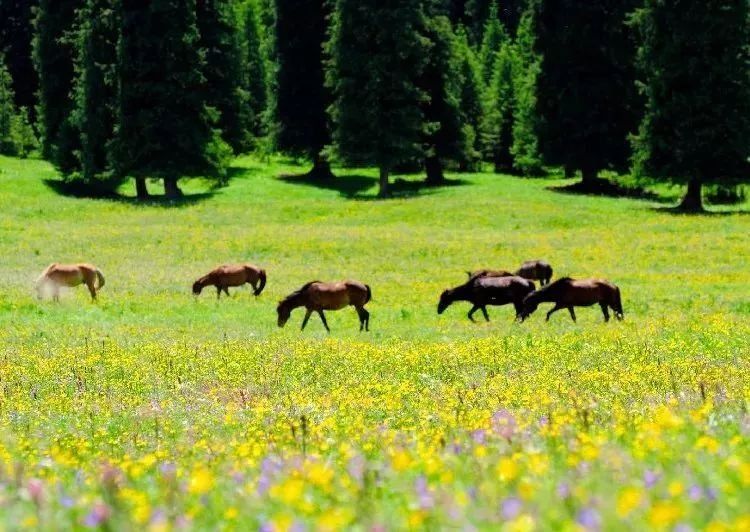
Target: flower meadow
[582,431]
[155,410]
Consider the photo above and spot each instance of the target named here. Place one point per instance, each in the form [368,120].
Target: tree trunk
[321,168]
[434,171]
[589,176]
[171,189]
[383,192]
[141,190]
[693,202]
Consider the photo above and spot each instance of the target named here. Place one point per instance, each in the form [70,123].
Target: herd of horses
[482,289]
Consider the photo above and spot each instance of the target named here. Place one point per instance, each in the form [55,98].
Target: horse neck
[295,301]
[460,293]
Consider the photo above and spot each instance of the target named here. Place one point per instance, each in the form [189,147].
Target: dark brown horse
[484,291]
[488,273]
[232,275]
[568,293]
[536,270]
[317,297]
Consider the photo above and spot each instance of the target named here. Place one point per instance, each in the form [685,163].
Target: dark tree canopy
[224,69]
[474,14]
[53,58]
[377,57]
[256,71]
[165,128]
[16,33]
[587,101]
[695,65]
[300,125]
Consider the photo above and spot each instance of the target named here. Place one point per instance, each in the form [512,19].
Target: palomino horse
[488,273]
[70,275]
[317,297]
[484,291]
[569,293]
[536,270]
[232,275]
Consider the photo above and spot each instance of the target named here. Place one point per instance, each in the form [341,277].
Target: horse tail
[100,277]
[618,304]
[262,278]
[368,297]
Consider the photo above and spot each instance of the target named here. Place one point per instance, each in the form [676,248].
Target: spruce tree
[695,68]
[300,123]
[470,103]
[54,55]
[441,82]
[474,15]
[497,126]
[377,55]
[95,91]
[225,69]
[525,149]
[165,128]
[256,71]
[7,110]
[493,38]
[16,33]
[587,100]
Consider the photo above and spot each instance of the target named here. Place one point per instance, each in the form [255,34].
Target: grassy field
[153,409]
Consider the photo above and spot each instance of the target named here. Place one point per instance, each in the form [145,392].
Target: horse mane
[298,293]
[555,284]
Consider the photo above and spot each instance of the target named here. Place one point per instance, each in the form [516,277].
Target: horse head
[445,300]
[197,288]
[284,311]
[530,304]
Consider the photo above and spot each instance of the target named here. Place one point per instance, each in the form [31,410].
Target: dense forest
[110,90]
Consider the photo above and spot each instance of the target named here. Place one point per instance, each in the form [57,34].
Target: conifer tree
[165,128]
[16,33]
[300,123]
[7,110]
[695,68]
[256,71]
[497,127]
[377,56]
[225,69]
[493,38]
[470,102]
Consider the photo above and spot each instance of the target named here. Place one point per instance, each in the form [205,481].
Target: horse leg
[56,293]
[555,309]
[605,311]
[472,311]
[226,290]
[323,319]
[519,308]
[307,317]
[364,317]
[218,292]
[572,313]
[92,289]
[484,311]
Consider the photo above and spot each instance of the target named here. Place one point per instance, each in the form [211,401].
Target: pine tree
[695,65]
[165,127]
[16,33]
[95,92]
[7,110]
[587,100]
[441,82]
[23,134]
[225,69]
[474,15]
[493,38]
[377,55]
[53,59]
[256,70]
[470,103]
[300,123]
[497,126]
[525,149]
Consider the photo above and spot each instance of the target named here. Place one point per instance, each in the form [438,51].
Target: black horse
[484,291]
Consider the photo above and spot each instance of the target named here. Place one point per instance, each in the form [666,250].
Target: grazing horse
[484,291]
[70,275]
[569,293]
[488,273]
[536,270]
[232,275]
[317,297]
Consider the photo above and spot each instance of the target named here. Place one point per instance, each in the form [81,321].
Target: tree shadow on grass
[610,189]
[676,210]
[355,186]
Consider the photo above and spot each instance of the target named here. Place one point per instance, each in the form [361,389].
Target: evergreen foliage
[256,69]
[498,116]
[16,33]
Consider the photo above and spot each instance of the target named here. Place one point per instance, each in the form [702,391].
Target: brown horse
[488,273]
[317,297]
[69,275]
[232,275]
[484,291]
[536,270]
[569,293]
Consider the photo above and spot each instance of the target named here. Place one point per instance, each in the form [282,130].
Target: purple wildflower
[356,468]
[504,424]
[479,436]
[695,493]
[426,500]
[563,490]
[589,519]
[98,515]
[511,508]
[650,478]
